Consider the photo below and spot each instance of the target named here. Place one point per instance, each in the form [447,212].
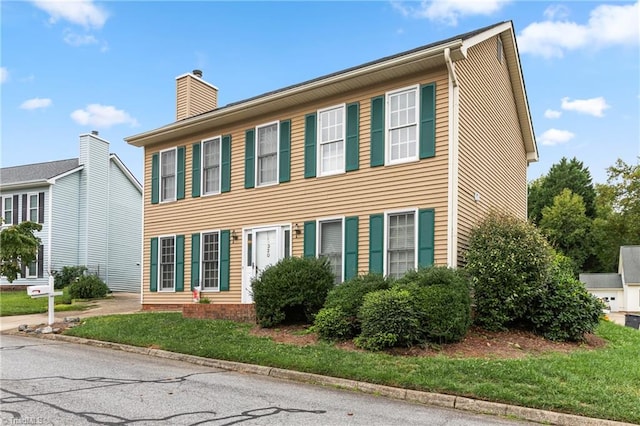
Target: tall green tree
[18,247]
[567,227]
[570,174]
[618,214]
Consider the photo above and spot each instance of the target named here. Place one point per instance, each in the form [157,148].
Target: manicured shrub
[67,275]
[508,261]
[435,275]
[292,290]
[332,324]
[88,287]
[389,318]
[348,297]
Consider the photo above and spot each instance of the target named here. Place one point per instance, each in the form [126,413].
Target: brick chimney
[194,95]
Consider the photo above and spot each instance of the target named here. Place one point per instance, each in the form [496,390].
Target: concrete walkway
[118,303]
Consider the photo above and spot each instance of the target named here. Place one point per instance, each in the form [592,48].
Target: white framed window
[32,269]
[168,167]
[400,242]
[330,244]
[211,154]
[331,137]
[267,148]
[33,207]
[167,263]
[8,210]
[402,115]
[210,260]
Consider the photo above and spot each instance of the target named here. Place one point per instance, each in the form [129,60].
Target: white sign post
[45,291]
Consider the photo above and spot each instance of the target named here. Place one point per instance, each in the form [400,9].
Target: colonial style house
[90,209]
[382,167]
[621,291]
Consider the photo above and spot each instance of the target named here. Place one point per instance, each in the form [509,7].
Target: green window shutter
[426,231]
[376,243]
[195,170]
[377,131]
[195,260]
[225,184]
[310,145]
[153,261]
[285,151]
[180,173]
[179,262]
[249,159]
[309,239]
[225,249]
[353,137]
[155,178]
[350,247]
[428,120]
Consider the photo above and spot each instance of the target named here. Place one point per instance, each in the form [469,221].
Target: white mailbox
[37,290]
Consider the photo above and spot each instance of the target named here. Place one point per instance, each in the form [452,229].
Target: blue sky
[71,67]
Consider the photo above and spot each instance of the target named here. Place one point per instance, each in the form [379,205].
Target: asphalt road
[57,383]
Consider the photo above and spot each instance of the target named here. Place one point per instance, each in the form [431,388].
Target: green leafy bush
[88,287]
[389,318]
[332,324]
[348,297]
[435,275]
[508,261]
[67,275]
[292,290]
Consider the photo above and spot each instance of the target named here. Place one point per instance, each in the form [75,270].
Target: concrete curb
[420,397]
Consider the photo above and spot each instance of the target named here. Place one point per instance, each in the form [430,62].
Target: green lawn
[602,383]
[19,303]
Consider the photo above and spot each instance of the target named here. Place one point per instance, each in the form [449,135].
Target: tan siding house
[383,167]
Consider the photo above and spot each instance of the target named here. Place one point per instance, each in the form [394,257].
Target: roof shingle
[36,172]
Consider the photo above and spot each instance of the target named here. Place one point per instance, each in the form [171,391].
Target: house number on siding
[268,249]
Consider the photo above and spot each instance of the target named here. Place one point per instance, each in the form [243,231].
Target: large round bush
[88,287]
[292,290]
[508,261]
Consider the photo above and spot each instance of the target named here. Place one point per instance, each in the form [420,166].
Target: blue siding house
[90,209]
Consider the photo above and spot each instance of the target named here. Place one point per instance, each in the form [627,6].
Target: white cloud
[554,137]
[449,11]
[593,106]
[102,116]
[608,25]
[35,103]
[79,12]
[74,39]
[554,11]
[4,74]
[551,113]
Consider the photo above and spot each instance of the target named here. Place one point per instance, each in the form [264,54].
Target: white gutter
[452,199]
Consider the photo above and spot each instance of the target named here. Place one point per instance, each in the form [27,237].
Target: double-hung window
[401,243]
[168,165]
[167,263]
[402,124]
[210,260]
[8,211]
[331,136]
[33,208]
[330,245]
[267,154]
[211,154]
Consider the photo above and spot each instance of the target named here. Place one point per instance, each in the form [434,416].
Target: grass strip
[19,303]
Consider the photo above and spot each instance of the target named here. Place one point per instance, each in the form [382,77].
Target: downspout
[452,203]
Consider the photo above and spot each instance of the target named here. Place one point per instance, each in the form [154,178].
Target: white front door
[262,247]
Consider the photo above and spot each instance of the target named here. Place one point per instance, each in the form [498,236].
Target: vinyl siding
[125,232]
[66,202]
[421,184]
[492,158]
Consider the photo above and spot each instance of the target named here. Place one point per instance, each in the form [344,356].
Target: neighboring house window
[167,264]
[211,166]
[402,125]
[267,154]
[401,243]
[168,175]
[211,261]
[33,208]
[8,211]
[330,245]
[331,140]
